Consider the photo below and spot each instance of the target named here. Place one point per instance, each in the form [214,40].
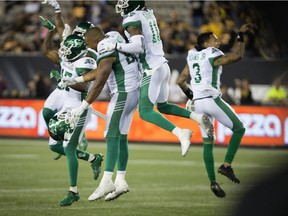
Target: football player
[120,71]
[73,63]
[142,30]
[63,30]
[204,66]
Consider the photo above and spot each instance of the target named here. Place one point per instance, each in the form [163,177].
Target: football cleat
[185,138]
[69,199]
[96,165]
[229,173]
[104,188]
[217,190]
[121,188]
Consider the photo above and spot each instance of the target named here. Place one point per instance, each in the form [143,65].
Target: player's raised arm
[238,51]
[59,23]
[46,46]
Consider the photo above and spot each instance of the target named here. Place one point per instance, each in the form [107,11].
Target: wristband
[240,37]
[79,79]
[189,93]
[84,105]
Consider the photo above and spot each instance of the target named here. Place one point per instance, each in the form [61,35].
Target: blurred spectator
[197,15]
[225,96]
[246,93]
[30,91]
[41,90]
[228,37]
[3,85]
[276,95]
[235,92]
[179,38]
[214,23]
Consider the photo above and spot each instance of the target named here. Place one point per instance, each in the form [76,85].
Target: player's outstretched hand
[54,4]
[108,47]
[76,113]
[66,81]
[47,23]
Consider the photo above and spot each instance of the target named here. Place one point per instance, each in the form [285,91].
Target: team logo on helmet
[72,48]
[59,124]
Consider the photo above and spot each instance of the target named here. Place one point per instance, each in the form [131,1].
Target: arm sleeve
[136,45]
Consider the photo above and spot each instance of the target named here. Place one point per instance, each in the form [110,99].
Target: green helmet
[81,28]
[59,124]
[126,6]
[72,47]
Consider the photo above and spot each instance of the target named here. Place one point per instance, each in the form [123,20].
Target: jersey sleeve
[215,53]
[102,53]
[93,53]
[132,20]
[84,65]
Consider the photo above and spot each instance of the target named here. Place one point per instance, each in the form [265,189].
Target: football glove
[108,47]
[54,4]
[55,74]
[77,112]
[47,23]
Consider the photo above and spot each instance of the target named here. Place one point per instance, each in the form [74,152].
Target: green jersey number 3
[196,68]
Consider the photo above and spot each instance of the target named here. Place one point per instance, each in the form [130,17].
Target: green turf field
[161,181]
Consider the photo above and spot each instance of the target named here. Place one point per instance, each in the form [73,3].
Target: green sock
[234,144]
[112,153]
[58,148]
[209,158]
[149,115]
[123,153]
[72,162]
[173,109]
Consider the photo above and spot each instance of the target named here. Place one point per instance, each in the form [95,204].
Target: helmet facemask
[72,48]
[120,6]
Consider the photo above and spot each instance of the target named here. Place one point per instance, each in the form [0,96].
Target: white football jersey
[125,76]
[78,67]
[145,20]
[205,77]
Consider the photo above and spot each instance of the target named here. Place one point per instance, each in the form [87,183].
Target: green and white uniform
[154,90]
[62,99]
[205,83]
[73,98]
[123,83]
